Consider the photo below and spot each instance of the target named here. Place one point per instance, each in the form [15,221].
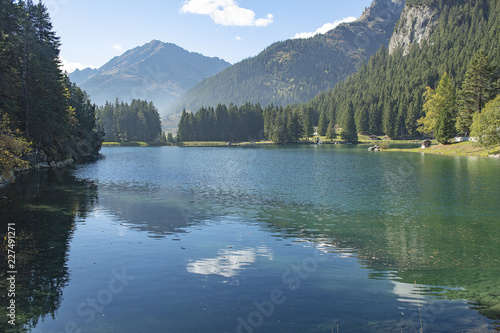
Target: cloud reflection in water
[228,262]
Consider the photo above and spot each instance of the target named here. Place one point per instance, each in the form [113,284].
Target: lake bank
[454,149]
[135,144]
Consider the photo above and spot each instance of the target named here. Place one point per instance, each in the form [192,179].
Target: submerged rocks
[374,148]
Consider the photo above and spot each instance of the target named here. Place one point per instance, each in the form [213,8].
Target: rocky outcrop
[414,27]
[363,37]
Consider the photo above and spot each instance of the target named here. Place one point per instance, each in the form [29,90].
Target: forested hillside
[295,70]
[387,92]
[42,111]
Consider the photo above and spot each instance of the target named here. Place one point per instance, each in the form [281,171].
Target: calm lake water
[257,239]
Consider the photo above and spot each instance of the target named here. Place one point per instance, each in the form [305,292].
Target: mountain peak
[295,70]
[156,71]
[383,9]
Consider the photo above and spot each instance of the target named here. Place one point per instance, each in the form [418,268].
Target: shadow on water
[44,206]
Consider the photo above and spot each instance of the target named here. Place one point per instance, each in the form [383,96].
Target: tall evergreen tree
[307,126]
[477,90]
[362,119]
[322,124]
[292,125]
[330,132]
[10,92]
[52,113]
[349,132]
[279,133]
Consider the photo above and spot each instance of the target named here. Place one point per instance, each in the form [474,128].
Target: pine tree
[279,133]
[349,132]
[361,117]
[183,127]
[307,126]
[322,124]
[292,125]
[170,138]
[477,90]
[9,59]
[330,132]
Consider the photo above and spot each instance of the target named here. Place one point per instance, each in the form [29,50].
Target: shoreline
[466,148]
[469,149]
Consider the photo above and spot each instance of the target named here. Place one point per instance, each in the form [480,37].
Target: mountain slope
[296,70]
[432,37]
[156,71]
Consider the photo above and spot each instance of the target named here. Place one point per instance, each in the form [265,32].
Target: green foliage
[478,89]
[170,138]
[331,133]
[446,104]
[244,123]
[349,132]
[41,103]
[440,109]
[322,124]
[307,126]
[248,122]
[486,125]
[138,121]
[387,91]
[12,148]
[427,124]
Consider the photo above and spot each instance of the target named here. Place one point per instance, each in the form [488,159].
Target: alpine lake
[305,238]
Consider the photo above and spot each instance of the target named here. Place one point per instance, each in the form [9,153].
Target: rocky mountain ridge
[156,71]
[296,70]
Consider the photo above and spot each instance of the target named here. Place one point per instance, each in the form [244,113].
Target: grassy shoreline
[134,144]
[454,149]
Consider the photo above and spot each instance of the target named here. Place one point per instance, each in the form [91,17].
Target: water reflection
[228,262]
[207,232]
[44,207]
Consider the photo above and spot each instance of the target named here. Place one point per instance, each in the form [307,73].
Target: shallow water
[262,239]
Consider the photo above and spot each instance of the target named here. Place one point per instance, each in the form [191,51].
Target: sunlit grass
[132,144]
[454,149]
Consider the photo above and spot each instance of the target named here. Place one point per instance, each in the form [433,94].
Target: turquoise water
[257,239]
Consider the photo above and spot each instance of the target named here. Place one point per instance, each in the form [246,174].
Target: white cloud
[71,66]
[118,47]
[325,28]
[225,12]
[237,38]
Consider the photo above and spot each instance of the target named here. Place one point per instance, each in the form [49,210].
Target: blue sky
[94,31]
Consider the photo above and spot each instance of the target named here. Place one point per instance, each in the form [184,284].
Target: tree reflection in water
[44,206]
